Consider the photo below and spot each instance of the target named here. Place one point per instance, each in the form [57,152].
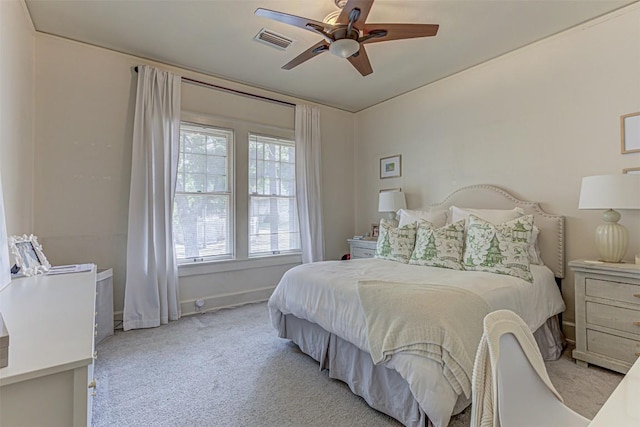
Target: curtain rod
[238,92]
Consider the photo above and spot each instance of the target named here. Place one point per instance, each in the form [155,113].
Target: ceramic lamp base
[611,238]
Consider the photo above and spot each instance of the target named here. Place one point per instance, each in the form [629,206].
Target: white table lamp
[391,202]
[611,192]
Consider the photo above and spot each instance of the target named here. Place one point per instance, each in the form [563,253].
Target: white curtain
[5,265]
[151,288]
[308,177]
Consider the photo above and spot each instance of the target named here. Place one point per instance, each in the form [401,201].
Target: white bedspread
[326,293]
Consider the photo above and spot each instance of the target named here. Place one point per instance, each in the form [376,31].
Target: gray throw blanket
[437,322]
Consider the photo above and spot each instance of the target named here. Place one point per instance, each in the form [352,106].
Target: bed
[327,310]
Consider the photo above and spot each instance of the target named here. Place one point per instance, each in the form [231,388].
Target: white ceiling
[215,37]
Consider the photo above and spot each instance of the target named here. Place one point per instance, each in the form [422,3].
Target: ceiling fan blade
[397,31]
[314,50]
[361,62]
[363,5]
[294,20]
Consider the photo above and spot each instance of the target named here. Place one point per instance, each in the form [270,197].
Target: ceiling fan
[347,37]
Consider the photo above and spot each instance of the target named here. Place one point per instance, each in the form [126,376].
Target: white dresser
[621,408]
[607,314]
[360,248]
[51,323]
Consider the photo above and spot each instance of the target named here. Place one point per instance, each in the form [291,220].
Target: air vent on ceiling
[273,39]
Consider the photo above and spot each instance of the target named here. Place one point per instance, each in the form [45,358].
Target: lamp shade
[610,192]
[391,201]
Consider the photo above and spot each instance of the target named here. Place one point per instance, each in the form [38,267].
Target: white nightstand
[362,248]
[607,314]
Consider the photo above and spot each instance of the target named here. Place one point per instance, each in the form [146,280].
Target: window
[273,214]
[203,211]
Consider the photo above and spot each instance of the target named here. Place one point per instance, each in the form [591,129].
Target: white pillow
[494,216]
[437,218]
[534,250]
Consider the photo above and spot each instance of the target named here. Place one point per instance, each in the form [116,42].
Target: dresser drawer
[613,290]
[357,252]
[622,319]
[610,345]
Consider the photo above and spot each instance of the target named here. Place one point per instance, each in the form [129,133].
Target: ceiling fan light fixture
[344,48]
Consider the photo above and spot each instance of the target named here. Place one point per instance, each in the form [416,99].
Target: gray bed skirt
[383,388]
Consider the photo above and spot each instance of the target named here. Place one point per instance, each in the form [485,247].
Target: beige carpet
[229,368]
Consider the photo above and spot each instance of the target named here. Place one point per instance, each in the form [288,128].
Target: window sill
[200,268]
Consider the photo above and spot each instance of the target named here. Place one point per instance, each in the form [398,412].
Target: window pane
[201,226]
[195,163]
[273,225]
[216,183]
[194,182]
[194,143]
[216,165]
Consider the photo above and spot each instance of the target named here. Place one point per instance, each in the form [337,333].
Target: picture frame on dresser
[630,133]
[28,255]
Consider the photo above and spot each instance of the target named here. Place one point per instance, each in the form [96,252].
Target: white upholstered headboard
[551,237]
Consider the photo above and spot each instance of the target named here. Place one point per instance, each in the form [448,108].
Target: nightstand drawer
[612,346]
[613,290]
[622,319]
[357,252]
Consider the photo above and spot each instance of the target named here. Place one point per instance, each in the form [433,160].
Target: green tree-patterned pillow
[395,243]
[501,249]
[439,247]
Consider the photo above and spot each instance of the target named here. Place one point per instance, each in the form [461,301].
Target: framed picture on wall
[391,167]
[631,170]
[630,133]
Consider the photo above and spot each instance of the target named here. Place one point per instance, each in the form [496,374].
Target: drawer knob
[95,354]
[93,384]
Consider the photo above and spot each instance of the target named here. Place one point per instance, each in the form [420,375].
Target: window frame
[240,259]
[230,192]
[285,142]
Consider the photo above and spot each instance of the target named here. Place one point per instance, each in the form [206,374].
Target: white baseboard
[216,302]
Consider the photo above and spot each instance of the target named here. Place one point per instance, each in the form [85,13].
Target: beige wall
[534,122]
[85,99]
[16,115]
